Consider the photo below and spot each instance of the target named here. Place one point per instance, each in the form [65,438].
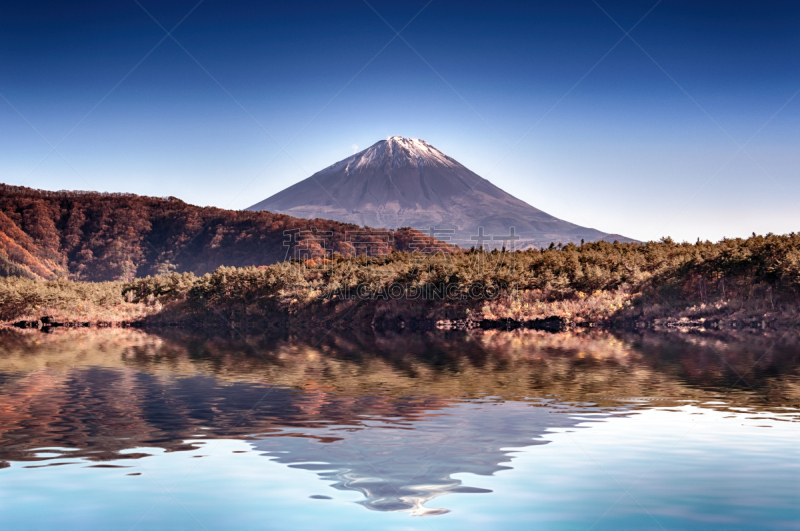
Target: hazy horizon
[689,129]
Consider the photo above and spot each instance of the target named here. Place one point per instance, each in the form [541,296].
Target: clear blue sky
[549,100]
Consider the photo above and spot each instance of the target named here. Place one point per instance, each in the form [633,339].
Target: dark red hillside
[94,236]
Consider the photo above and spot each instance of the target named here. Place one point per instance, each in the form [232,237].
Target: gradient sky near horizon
[688,128]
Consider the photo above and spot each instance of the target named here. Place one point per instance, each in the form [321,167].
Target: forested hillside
[95,236]
[749,283]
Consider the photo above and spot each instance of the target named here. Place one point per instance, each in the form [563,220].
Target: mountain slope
[402,182]
[94,236]
[21,257]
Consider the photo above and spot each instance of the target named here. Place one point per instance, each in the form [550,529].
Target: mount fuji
[406,182]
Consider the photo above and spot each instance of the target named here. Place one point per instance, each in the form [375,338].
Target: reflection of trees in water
[101,411]
[766,369]
[379,413]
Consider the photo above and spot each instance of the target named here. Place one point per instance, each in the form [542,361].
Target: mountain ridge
[103,236]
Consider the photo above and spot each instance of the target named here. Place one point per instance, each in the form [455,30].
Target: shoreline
[379,320]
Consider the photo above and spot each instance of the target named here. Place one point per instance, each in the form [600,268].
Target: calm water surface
[126,430]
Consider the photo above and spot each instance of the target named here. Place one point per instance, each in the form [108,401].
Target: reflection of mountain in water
[401,467]
[397,420]
[399,452]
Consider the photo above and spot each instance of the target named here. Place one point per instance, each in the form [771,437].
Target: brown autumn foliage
[20,256]
[758,277]
[93,236]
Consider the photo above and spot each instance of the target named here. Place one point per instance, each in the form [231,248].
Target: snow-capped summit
[398,151]
[406,182]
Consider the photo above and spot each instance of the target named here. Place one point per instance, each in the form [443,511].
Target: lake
[122,429]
